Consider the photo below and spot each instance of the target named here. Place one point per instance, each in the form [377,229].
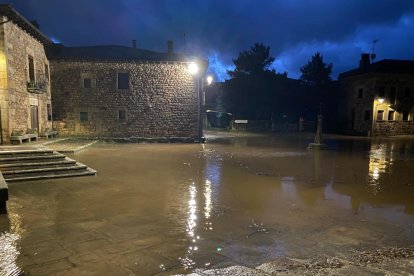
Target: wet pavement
[240,200]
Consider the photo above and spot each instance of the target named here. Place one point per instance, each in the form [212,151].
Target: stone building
[378,97]
[125,92]
[25,96]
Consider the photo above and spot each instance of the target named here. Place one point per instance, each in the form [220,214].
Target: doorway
[34,117]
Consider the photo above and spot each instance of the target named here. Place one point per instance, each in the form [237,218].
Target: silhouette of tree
[316,72]
[254,91]
[254,61]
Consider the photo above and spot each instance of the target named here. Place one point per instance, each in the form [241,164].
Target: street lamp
[209,80]
[193,70]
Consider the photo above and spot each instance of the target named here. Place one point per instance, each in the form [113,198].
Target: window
[391,115]
[405,115]
[49,112]
[360,93]
[123,80]
[381,91]
[121,115]
[393,92]
[87,83]
[380,115]
[47,72]
[31,69]
[84,116]
[367,115]
[407,92]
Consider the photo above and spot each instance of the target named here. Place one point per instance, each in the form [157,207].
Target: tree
[254,61]
[316,72]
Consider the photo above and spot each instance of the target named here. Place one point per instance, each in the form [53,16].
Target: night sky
[218,30]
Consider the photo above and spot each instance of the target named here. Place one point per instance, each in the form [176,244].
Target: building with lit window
[378,98]
[25,96]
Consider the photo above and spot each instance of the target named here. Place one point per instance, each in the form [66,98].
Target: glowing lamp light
[380,100]
[193,68]
[209,80]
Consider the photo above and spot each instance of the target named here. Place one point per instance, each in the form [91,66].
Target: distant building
[25,98]
[378,97]
[123,92]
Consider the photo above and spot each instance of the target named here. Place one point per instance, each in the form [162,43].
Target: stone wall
[161,101]
[15,46]
[389,128]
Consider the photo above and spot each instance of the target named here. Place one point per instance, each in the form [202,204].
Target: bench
[20,136]
[49,133]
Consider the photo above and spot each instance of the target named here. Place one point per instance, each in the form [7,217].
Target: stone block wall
[15,46]
[161,101]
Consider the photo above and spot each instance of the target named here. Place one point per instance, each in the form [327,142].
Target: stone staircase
[35,164]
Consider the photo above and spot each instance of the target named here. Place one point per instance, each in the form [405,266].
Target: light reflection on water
[379,160]
[9,250]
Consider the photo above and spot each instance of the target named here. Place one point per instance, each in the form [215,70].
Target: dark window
[380,115]
[31,69]
[121,115]
[49,112]
[393,93]
[361,93]
[405,115]
[381,91]
[391,115]
[367,115]
[123,80]
[84,116]
[47,72]
[407,92]
[87,83]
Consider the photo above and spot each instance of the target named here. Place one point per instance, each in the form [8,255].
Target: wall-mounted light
[380,100]
[193,68]
[209,80]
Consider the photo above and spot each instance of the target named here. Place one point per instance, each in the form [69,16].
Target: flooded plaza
[239,199]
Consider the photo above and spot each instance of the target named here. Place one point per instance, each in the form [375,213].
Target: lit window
[391,115]
[380,115]
[84,116]
[123,80]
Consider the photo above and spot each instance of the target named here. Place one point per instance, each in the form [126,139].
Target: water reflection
[379,160]
[9,246]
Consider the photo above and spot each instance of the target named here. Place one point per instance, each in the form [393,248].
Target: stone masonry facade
[160,100]
[16,102]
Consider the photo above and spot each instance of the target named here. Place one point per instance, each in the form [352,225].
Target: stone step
[34,165]
[33,158]
[42,171]
[24,152]
[87,172]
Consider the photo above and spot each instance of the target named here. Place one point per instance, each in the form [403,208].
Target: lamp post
[194,70]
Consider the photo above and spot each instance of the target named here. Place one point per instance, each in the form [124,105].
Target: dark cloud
[295,29]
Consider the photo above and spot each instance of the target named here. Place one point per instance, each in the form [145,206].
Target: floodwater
[238,199]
